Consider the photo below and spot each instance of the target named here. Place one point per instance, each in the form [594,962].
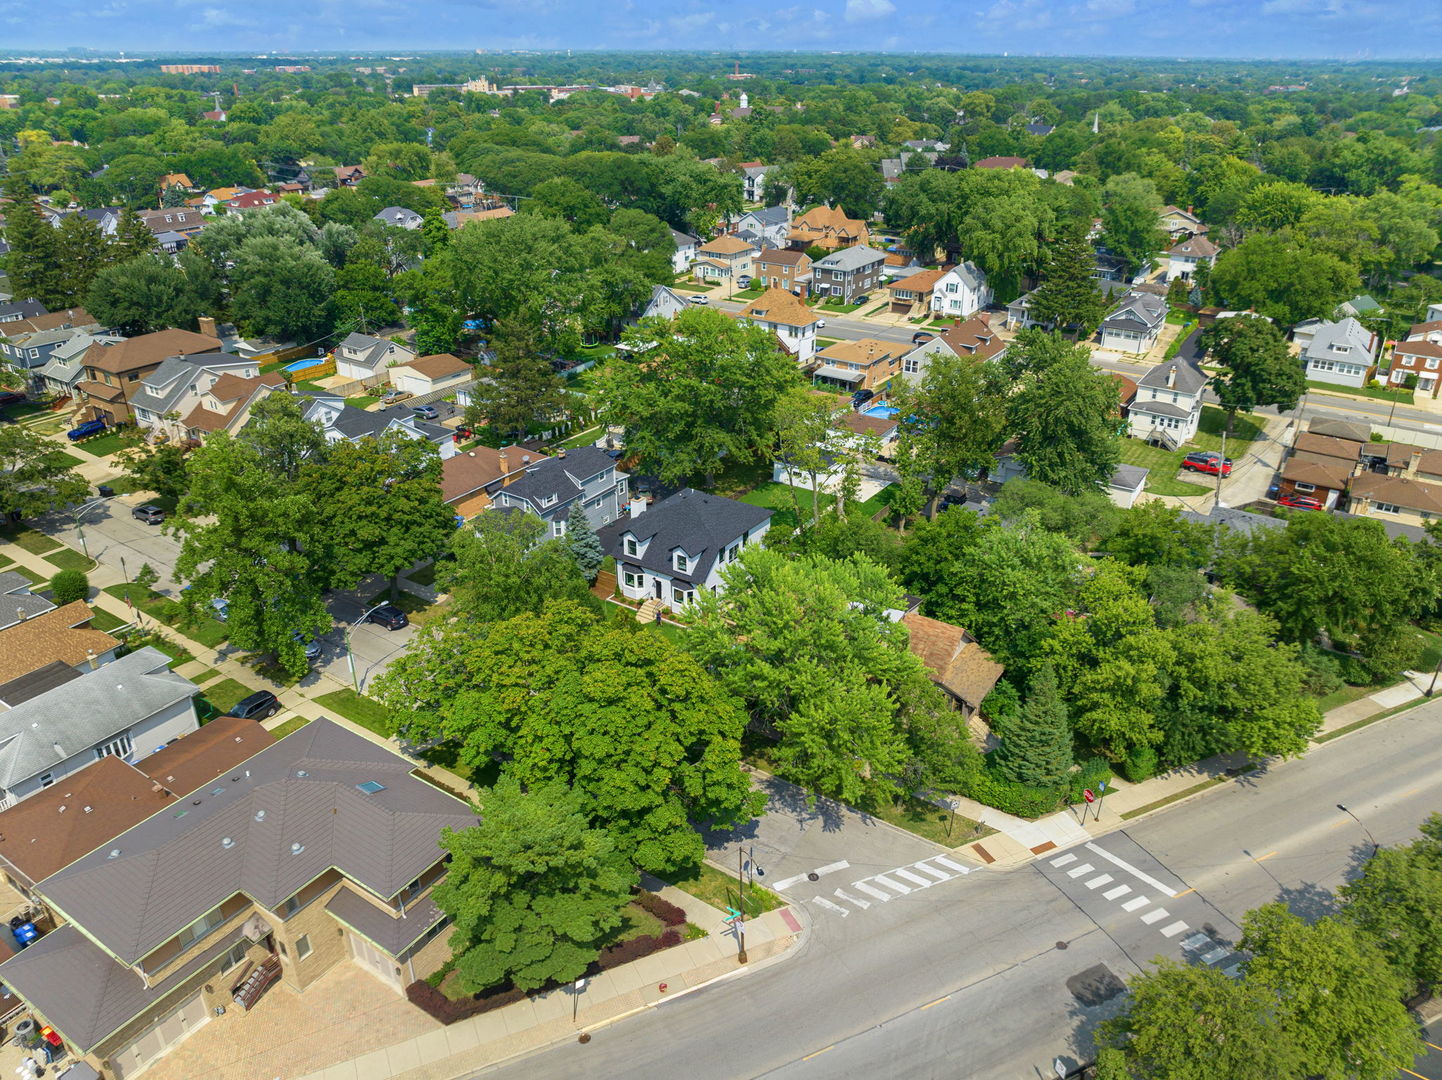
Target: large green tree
[1066,425]
[518,388]
[142,295]
[32,263]
[1067,294]
[533,888]
[282,289]
[1036,747]
[1281,277]
[1131,226]
[1259,368]
[1397,904]
[35,474]
[505,565]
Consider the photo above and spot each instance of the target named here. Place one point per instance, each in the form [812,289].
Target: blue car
[85,430]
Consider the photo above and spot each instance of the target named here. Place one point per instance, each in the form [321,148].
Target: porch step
[649,610]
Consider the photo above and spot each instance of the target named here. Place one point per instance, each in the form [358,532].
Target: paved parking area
[374,647]
[117,539]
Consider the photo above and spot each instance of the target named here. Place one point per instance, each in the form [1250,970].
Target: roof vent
[302,773]
[227,843]
[260,815]
[90,809]
[114,853]
[370,787]
[297,848]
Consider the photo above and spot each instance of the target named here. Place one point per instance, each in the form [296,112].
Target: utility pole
[741,904]
[1222,464]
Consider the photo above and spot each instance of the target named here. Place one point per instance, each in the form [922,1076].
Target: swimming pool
[301,365]
[885,412]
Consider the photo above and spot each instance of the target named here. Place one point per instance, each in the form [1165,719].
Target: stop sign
[1089,796]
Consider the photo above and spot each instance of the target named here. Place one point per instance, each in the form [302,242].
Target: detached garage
[431,373]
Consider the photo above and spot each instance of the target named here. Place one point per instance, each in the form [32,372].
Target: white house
[664,304]
[429,374]
[361,356]
[960,292]
[1019,315]
[1183,260]
[169,393]
[788,318]
[1342,353]
[1132,326]
[681,545]
[753,178]
[1168,403]
[771,224]
[339,421]
[685,253]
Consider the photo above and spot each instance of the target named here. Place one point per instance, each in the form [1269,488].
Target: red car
[1300,502]
[1207,461]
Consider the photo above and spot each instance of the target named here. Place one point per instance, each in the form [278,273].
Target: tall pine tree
[82,251]
[583,543]
[1037,746]
[1068,294]
[520,387]
[133,237]
[31,263]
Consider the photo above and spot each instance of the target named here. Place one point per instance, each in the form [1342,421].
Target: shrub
[1323,672]
[69,586]
[1090,776]
[1140,764]
[431,1001]
[636,948]
[664,910]
[1010,797]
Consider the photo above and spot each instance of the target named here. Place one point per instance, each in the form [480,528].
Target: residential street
[993,973]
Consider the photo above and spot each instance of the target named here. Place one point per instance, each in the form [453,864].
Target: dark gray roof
[770,215]
[560,476]
[399,216]
[852,258]
[290,812]
[42,732]
[694,522]
[1039,129]
[20,309]
[1130,477]
[16,600]
[390,933]
[1393,529]
[354,423]
[1347,333]
[372,349]
[683,239]
[162,389]
[1138,309]
[40,681]
[1159,408]
[85,994]
[1238,521]
[1174,374]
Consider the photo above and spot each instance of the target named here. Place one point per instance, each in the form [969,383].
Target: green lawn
[208,632]
[295,723]
[358,709]
[778,497]
[736,477]
[225,694]
[1165,464]
[103,445]
[178,653]
[840,309]
[825,342]
[585,438]
[37,543]
[1246,429]
[749,294]
[719,890]
[362,401]
[204,676]
[69,559]
[1403,397]
[932,822]
[25,572]
[103,620]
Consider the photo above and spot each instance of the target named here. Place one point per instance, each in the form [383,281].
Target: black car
[151,515]
[389,616]
[261,703]
[861,397]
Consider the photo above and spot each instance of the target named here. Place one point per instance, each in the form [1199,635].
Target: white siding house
[960,292]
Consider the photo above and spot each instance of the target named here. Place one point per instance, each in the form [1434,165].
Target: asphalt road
[1000,973]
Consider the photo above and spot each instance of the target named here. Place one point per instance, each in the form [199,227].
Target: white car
[821,324]
[699,298]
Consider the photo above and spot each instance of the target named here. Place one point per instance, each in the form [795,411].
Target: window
[120,747]
[952,287]
[678,595]
[1387,508]
[681,562]
[1432,363]
[558,528]
[630,545]
[202,927]
[631,580]
[1305,487]
[290,907]
[235,957]
[46,779]
[910,366]
[302,946]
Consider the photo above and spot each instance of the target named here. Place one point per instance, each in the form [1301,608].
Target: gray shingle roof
[162,389]
[17,600]
[560,476]
[972,275]
[372,349]
[1189,379]
[356,423]
[1160,408]
[387,932]
[291,812]
[1345,332]
[42,732]
[400,217]
[852,258]
[1237,521]
[1138,309]
[1129,477]
[770,215]
[698,524]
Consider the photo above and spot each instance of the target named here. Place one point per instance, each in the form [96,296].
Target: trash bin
[105,491]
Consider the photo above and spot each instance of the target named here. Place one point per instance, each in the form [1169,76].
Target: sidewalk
[462,1048]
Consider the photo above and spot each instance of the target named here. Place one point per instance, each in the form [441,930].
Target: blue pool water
[886,412]
[301,365]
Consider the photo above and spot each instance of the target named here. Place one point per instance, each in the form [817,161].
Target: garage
[156,1040]
[376,962]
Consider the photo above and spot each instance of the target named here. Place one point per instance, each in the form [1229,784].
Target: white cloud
[864,10]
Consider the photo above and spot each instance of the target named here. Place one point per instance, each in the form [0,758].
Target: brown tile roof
[63,634]
[1328,446]
[975,337]
[1324,472]
[923,282]
[438,365]
[828,224]
[76,815]
[52,320]
[780,257]
[1421,328]
[779,306]
[229,388]
[1000,162]
[196,759]
[957,663]
[1417,348]
[1199,247]
[148,350]
[866,351]
[726,245]
[861,424]
[1126,388]
[468,472]
[1410,494]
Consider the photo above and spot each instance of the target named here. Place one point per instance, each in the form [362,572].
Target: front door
[658,588]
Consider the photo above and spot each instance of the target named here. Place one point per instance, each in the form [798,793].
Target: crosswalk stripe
[1078,871]
[1062,860]
[829,906]
[1216,954]
[862,904]
[1174,929]
[1153,882]
[1195,941]
[1132,905]
[882,879]
[951,865]
[869,891]
[934,871]
[1098,881]
[1120,890]
[1155,915]
[920,881]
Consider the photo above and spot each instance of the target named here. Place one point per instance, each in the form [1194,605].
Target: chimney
[1413,460]
[638,506]
[1171,377]
[207,325]
[91,659]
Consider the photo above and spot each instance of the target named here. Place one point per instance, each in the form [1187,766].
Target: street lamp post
[741,905]
[1372,839]
[80,525]
[350,656]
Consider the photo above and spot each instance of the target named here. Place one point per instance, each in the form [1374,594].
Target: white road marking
[1174,929]
[1078,871]
[936,872]
[1156,915]
[882,879]
[829,906]
[862,904]
[829,868]
[869,891]
[1216,954]
[1140,901]
[1129,868]
[1098,881]
[1120,890]
[1196,941]
[907,875]
[1062,860]
[951,865]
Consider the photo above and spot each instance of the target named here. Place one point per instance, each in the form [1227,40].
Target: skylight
[370,787]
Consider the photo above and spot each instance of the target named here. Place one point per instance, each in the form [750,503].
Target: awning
[826,371]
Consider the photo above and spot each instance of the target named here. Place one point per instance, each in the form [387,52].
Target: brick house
[469,480]
[827,227]
[784,269]
[114,372]
[864,364]
[1419,355]
[848,273]
[1319,467]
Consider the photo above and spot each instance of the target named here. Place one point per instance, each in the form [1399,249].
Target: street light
[80,525]
[350,656]
[1375,846]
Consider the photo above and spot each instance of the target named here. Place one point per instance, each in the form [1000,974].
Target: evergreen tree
[31,262]
[583,543]
[81,252]
[1037,748]
[520,387]
[1068,294]
[142,295]
[132,236]
[1066,422]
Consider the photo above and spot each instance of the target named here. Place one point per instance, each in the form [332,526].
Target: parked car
[426,412]
[821,324]
[744,281]
[312,649]
[1207,461]
[150,514]
[1300,502]
[699,298]
[85,430]
[396,395]
[388,616]
[220,606]
[261,703]
[861,397]
[864,298]
[920,336]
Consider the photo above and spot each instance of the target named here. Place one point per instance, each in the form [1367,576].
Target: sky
[1277,29]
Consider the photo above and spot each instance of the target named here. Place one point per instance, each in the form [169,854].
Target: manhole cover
[1061,944]
[813,876]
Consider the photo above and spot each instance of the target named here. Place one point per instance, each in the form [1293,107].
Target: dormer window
[682,563]
[631,546]
[548,500]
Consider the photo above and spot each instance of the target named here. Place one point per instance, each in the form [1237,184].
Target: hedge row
[1024,800]
[431,1001]
[664,910]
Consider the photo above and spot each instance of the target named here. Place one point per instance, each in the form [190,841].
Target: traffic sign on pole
[1089,796]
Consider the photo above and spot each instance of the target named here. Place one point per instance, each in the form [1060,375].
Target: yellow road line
[1433,1045]
[1184,892]
[1337,824]
[1409,1072]
[938,1001]
[823,1050]
[1264,858]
